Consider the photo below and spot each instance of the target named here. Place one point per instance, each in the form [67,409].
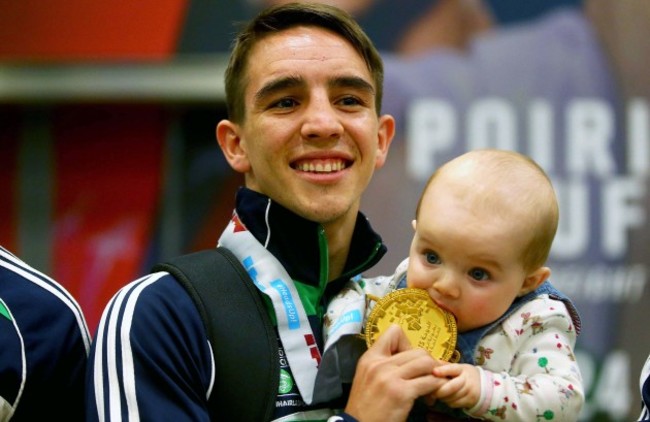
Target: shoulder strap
[240,331]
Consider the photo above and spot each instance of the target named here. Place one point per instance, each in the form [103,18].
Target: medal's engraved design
[426,325]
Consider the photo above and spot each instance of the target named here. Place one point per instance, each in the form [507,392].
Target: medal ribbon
[271,278]
[346,315]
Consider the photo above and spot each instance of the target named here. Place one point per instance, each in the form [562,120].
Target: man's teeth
[322,168]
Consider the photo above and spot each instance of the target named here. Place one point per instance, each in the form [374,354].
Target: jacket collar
[294,240]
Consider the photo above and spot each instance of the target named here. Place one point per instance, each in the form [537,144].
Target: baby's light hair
[511,171]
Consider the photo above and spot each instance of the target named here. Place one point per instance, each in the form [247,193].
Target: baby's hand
[431,398]
[459,386]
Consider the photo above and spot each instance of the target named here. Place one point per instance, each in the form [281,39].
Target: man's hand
[389,377]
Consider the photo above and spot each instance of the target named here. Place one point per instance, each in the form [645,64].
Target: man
[44,344]
[304,87]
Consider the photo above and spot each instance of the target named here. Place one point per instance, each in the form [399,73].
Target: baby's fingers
[450,370]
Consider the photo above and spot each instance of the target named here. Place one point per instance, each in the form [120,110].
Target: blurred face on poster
[351,6]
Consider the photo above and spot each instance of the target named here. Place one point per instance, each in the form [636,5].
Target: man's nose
[322,120]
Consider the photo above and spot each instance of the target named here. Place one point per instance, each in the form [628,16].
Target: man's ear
[231,144]
[534,279]
[384,138]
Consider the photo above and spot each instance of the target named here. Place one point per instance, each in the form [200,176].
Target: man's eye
[432,258]
[479,274]
[350,101]
[284,103]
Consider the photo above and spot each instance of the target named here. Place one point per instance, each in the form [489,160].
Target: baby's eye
[432,258]
[479,274]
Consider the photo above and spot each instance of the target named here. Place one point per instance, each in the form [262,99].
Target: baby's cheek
[416,279]
[413,282]
[480,312]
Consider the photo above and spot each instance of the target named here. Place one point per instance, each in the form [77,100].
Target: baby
[483,231]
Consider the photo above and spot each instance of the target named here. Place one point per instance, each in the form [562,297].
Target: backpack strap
[240,331]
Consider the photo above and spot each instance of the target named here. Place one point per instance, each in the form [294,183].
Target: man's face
[311,136]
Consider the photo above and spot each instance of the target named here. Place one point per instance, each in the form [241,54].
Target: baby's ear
[534,279]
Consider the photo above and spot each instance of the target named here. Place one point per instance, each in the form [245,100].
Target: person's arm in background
[44,344]
[622,29]
[644,384]
[448,24]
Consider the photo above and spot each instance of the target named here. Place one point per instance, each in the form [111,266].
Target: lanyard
[271,278]
[318,378]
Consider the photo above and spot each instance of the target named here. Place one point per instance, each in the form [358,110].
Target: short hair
[280,18]
[511,166]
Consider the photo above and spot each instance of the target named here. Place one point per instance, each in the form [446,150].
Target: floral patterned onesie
[528,368]
[526,360]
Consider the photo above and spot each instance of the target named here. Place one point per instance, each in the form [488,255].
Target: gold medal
[426,325]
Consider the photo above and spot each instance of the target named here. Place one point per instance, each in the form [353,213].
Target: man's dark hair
[280,18]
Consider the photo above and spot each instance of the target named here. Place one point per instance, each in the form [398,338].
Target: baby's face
[467,256]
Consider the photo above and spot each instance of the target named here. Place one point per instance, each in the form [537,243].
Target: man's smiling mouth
[320,166]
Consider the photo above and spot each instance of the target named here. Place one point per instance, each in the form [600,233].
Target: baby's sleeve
[542,380]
